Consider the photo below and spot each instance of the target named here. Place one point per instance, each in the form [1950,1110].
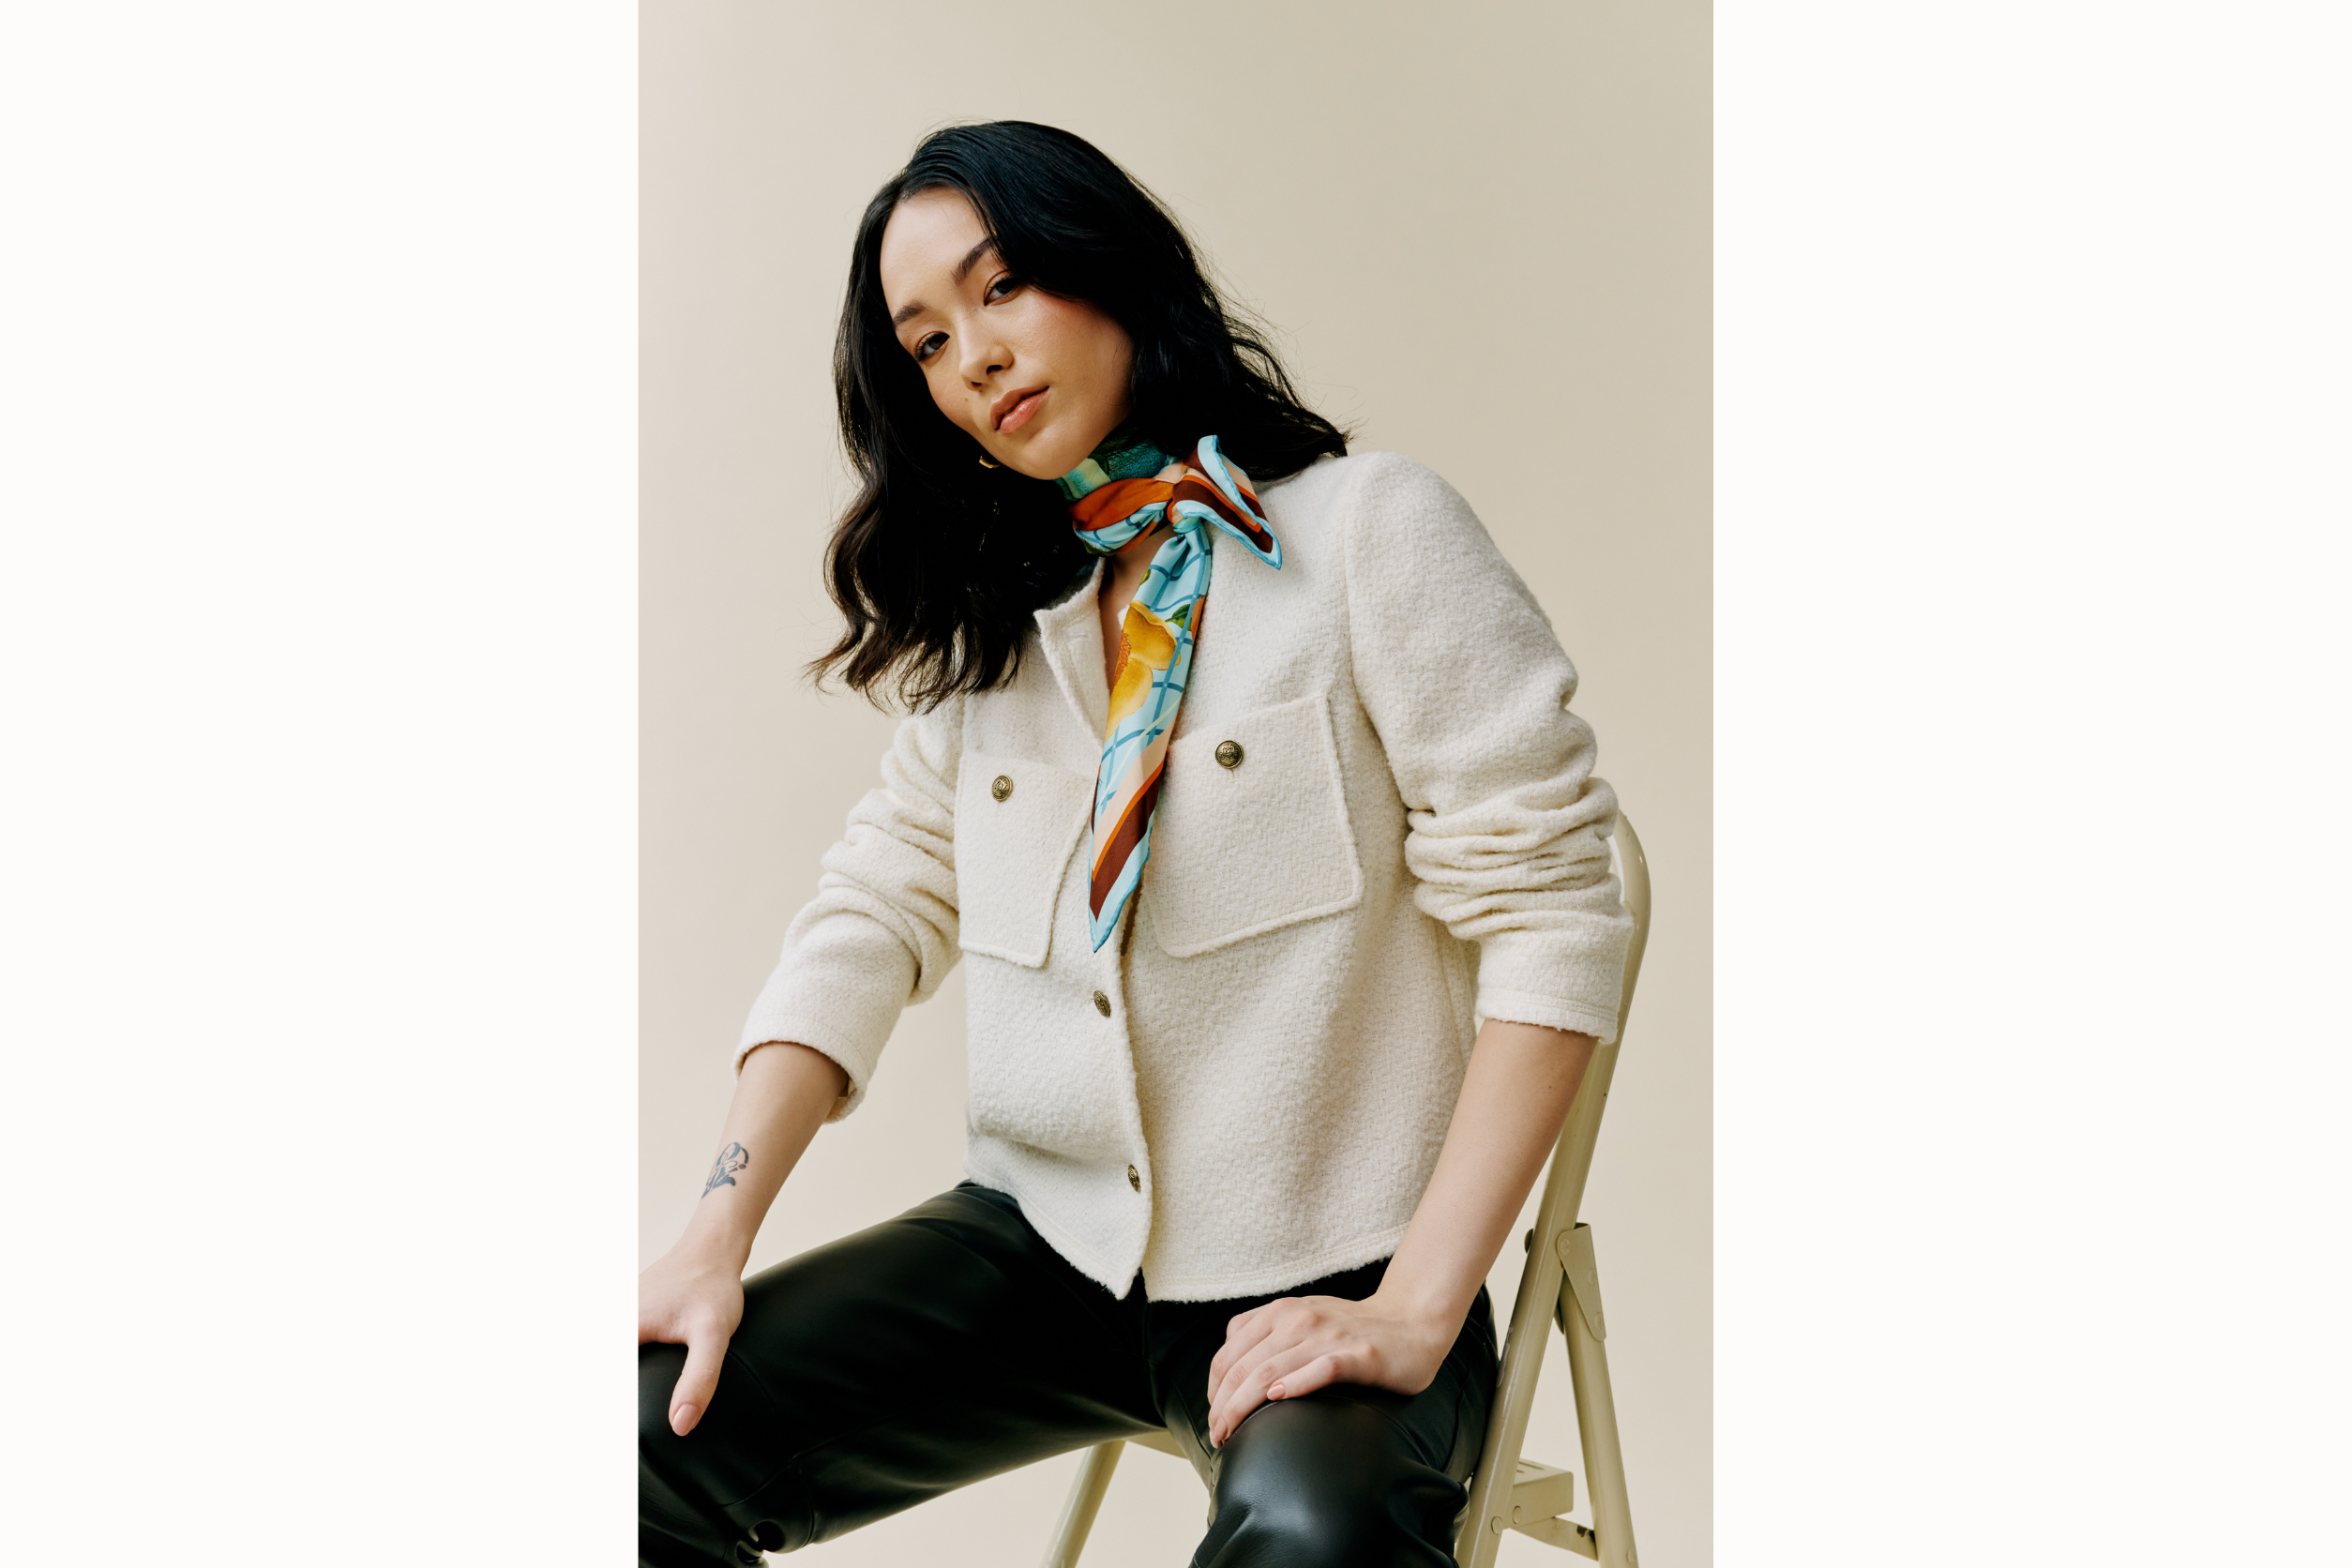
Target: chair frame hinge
[1575,1248]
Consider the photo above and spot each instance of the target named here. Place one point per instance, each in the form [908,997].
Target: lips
[1015,409]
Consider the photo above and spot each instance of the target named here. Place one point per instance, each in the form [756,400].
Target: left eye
[1002,286]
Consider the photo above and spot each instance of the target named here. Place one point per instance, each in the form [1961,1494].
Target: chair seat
[1539,1495]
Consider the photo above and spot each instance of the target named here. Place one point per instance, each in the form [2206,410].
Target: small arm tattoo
[731,1159]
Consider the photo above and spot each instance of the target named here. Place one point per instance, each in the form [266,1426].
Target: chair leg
[1086,1499]
[1596,1409]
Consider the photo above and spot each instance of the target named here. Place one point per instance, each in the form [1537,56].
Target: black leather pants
[952,1343]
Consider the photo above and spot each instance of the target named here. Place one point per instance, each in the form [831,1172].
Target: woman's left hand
[1299,1344]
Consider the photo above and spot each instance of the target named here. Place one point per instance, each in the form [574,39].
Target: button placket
[1102,1005]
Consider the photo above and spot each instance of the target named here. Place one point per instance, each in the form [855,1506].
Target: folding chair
[1560,1284]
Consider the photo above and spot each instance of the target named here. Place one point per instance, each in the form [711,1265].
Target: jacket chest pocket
[1251,832]
[1017,822]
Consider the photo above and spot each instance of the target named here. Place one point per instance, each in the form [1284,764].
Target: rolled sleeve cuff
[1547,1012]
[842,1010]
[1569,978]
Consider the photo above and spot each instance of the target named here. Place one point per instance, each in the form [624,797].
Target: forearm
[782,1096]
[1515,1097]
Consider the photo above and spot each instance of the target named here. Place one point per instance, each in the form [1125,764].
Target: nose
[985,355]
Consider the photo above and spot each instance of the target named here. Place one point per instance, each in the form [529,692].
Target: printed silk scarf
[1127,490]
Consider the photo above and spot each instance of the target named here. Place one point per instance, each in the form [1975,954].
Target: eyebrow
[915,308]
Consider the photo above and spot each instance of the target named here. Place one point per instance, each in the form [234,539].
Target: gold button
[1102,1004]
[1133,1180]
[1001,788]
[1228,754]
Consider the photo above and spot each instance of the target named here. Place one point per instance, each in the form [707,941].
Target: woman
[1290,926]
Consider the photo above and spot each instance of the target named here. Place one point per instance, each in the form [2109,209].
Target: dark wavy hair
[938,562]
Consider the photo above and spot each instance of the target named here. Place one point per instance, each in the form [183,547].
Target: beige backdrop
[1482,231]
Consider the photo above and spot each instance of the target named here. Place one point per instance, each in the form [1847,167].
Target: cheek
[948,394]
[1086,340]
[1114,358]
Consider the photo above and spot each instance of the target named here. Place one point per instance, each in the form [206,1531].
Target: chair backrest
[1538,1297]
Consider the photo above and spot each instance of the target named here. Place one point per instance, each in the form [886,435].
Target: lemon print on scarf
[1147,645]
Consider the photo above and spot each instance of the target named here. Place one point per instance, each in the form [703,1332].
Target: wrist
[710,1240]
[1428,1310]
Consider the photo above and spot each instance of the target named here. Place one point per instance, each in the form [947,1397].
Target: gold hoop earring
[986,464]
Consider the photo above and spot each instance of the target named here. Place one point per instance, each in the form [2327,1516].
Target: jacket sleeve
[880,933]
[1506,825]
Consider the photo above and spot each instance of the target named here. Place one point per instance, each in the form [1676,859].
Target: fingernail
[1274,1393]
[682,1419]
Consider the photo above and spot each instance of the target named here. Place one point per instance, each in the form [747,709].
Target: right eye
[928,345]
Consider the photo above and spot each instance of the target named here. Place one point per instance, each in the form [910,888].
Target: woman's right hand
[692,1297]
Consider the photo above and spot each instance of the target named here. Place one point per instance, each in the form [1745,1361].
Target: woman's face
[1036,380]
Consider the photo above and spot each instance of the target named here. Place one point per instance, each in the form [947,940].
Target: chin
[1049,459]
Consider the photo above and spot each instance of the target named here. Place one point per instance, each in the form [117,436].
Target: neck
[1120,455]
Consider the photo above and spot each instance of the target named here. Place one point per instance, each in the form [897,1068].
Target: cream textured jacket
[1247,1087]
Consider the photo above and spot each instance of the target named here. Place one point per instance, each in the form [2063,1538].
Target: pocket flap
[1017,824]
[1261,844]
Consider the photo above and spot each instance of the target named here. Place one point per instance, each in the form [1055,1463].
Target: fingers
[1294,1365]
[696,1302]
[1249,1340]
[706,1350]
[1244,1332]
[1260,1383]
[1274,1327]
[1256,1335]
[1321,1372]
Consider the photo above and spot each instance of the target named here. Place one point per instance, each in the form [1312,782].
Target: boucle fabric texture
[1412,839]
